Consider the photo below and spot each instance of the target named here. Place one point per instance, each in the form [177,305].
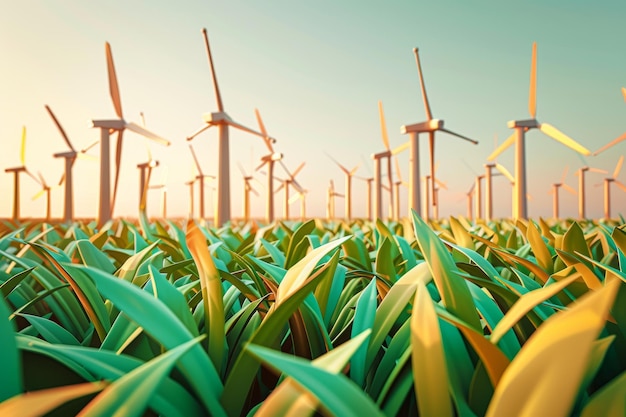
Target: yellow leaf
[555,356]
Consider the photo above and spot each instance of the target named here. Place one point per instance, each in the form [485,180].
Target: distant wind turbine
[222,121]
[581,187]
[607,187]
[520,209]
[163,187]
[330,200]
[399,182]
[67,177]
[349,174]
[45,189]
[16,176]
[430,126]
[290,181]
[200,178]
[378,157]
[247,188]
[268,160]
[555,192]
[107,202]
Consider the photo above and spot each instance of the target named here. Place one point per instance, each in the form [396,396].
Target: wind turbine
[397,184]
[581,187]
[16,176]
[247,188]
[301,195]
[478,209]
[107,202]
[45,189]
[607,187]
[163,187]
[145,172]
[489,185]
[200,178]
[430,126]
[427,191]
[67,178]
[349,174]
[268,160]
[330,200]
[470,196]
[555,192]
[378,157]
[520,209]
[222,121]
[285,183]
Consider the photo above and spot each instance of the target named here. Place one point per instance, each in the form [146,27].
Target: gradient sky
[315,70]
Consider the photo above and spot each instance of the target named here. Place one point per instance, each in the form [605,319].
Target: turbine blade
[618,167]
[449,132]
[532,96]
[39,194]
[401,148]
[195,160]
[344,169]
[266,139]
[620,185]
[398,171]
[255,192]
[41,178]
[598,170]
[243,172]
[505,172]
[62,180]
[354,170]
[146,133]
[118,166]
[23,147]
[91,145]
[624,93]
[429,116]
[260,165]
[197,132]
[508,142]
[244,128]
[294,198]
[568,188]
[297,170]
[383,125]
[441,184]
[564,174]
[612,143]
[280,187]
[559,136]
[114,89]
[218,96]
[56,122]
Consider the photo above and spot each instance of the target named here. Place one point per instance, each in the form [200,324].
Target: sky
[315,71]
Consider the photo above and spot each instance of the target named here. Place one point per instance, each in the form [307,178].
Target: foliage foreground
[295,319]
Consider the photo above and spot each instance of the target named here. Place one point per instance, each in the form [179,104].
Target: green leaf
[131,393]
[335,392]
[455,295]
[609,400]
[92,256]
[363,320]
[10,361]
[158,321]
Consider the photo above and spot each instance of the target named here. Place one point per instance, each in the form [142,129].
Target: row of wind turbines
[381,160]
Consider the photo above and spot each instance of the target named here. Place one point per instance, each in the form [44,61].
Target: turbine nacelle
[427,126]
[527,124]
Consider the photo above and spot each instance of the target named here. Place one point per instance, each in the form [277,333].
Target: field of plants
[313,318]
